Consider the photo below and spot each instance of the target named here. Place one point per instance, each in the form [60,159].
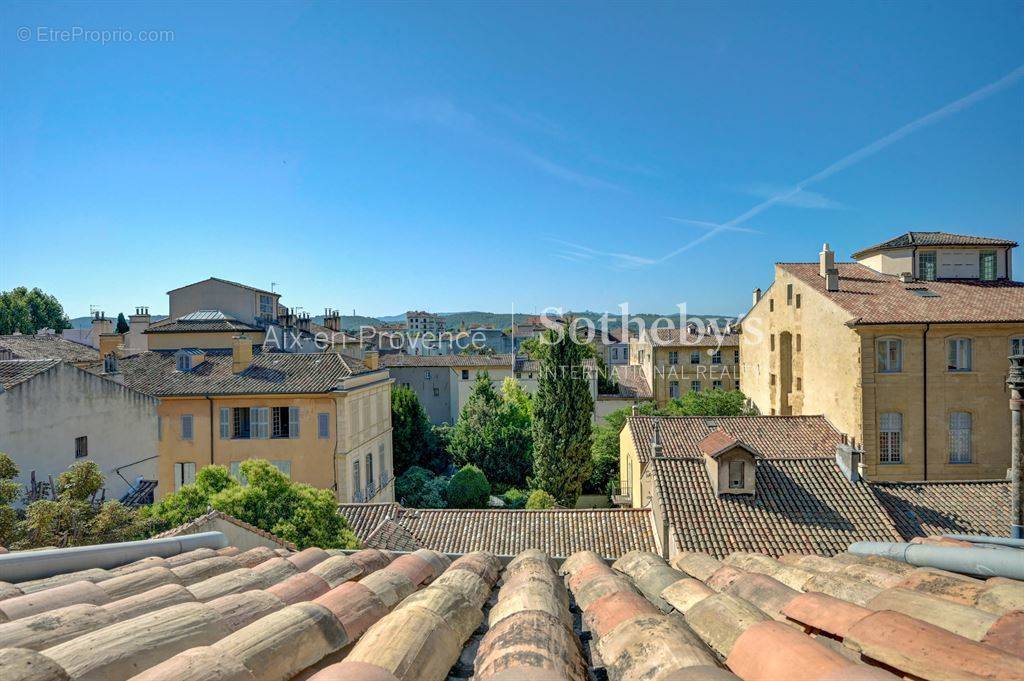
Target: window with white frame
[716,357]
[186,426]
[184,474]
[673,357]
[266,306]
[225,423]
[890,438]
[695,386]
[926,267]
[695,357]
[960,437]
[890,355]
[673,389]
[1017,345]
[959,354]
[323,425]
[987,265]
[285,422]
[426,375]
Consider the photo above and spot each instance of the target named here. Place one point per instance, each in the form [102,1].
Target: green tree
[419,488]
[514,498]
[539,500]
[10,490]
[122,324]
[562,411]
[73,519]
[604,453]
[606,383]
[493,434]
[412,439]
[708,403]
[468,488]
[300,513]
[28,311]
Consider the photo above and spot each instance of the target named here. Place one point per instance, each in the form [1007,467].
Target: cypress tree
[122,324]
[562,410]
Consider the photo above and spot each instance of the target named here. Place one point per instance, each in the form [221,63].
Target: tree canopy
[419,488]
[708,403]
[412,438]
[28,311]
[122,324]
[468,488]
[562,411]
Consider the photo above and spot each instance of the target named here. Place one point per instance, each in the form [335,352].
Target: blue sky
[456,157]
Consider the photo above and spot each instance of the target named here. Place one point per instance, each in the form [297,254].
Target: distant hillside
[503,321]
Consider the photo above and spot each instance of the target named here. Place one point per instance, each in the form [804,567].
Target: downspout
[210,400]
[924,393]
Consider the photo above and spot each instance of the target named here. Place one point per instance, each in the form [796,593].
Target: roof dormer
[731,464]
[188,359]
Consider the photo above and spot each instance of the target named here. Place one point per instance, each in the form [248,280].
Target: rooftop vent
[923,292]
[906,278]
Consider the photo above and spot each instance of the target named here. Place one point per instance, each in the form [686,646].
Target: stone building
[676,361]
[909,359]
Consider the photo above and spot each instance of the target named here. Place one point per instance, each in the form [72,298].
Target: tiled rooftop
[911,239]
[963,507]
[632,382]
[223,615]
[483,361]
[23,346]
[201,321]
[870,297]
[15,371]
[681,337]
[156,373]
[559,532]
[199,524]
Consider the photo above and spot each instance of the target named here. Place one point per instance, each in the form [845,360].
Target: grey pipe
[21,566]
[974,561]
[982,539]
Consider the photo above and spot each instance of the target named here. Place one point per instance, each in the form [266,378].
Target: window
[259,418]
[465,374]
[184,474]
[798,301]
[926,267]
[285,422]
[615,353]
[716,357]
[673,357]
[1017,345]
[240,422]
[283,466]
[960,437]
[890,438]
[736,474]
[695,386]
[799,342]
[959,357]
[716,385]
[323,425]
[184,362]
[736,384]
[673,389]
[225,423]
[735,356]
[987,265]
[771,305]
[383,468]
[81,447]
[266,306]
[771,342]
[695,357]
[799,383]
[789,294]
[890,356]
[437,392]
[771,379]
[357,481]
[369,473]
[426,375]
[186,426]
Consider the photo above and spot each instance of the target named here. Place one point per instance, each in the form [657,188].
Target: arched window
[890,355]
[960,437]
[890,438]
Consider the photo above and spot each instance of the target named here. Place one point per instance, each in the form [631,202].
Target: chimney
[285,318]
[826,260]
[906,278]
[849,460]
[302,321]
[332,320]
[832,280]
[109,342]
[371,358]
[757,296]
[241,353]
[656,440]
[100,325]
[636,409]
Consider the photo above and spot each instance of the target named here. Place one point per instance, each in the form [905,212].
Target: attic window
[736,474]
[923,292]
[184,362]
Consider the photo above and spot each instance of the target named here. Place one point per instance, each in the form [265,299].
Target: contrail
[859,155]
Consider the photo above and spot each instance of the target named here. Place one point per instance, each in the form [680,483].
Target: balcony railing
[620,496]
[372,490]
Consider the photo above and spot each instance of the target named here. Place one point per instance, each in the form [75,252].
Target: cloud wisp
[805,198]
[787,196]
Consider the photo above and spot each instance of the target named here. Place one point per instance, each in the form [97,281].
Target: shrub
[468,488]
[419,488]
[515,498]
[539,499]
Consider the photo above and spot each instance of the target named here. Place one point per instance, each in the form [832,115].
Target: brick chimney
[100,325]
[826,260]
[371,358]
[302,321]
[241,353]
[332,319]
[109,342]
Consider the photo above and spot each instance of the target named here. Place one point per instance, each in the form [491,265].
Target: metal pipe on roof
[21,566]
[982,562]
[983,539]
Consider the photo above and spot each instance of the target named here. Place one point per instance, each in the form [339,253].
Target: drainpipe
[983,562]
[210,400]
[1016,382]
[924,394]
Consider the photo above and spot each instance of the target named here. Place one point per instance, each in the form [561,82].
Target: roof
[800,505]
[155,373]
[201,321]
[225,281]
[15,371]
[680,337]
[774,437]
[963,507]
[912,239]
[870,297]
[632,382]
[48,346]
[197,524]
[364,518]
[718,442]
[454,360]
[368,614]
[559,532]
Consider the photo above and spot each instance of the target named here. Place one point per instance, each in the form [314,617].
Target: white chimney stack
[757,296]
[826,260]
[832,280]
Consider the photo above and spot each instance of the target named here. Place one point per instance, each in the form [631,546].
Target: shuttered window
[186,426]
[259,422]
[184,474]
[323,425]
[225,423]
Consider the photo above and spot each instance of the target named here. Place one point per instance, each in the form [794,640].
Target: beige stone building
[905,350]
[674,361]
[322,418]
[236,301]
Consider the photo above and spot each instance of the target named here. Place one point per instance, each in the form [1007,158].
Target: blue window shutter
[293,422]
[225,423]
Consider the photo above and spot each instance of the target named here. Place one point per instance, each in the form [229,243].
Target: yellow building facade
[675,363]
[912,370]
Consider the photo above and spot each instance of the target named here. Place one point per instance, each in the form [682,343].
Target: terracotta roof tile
[15,371]
[910,239]
[922,509]
[23,346]
[196,525]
